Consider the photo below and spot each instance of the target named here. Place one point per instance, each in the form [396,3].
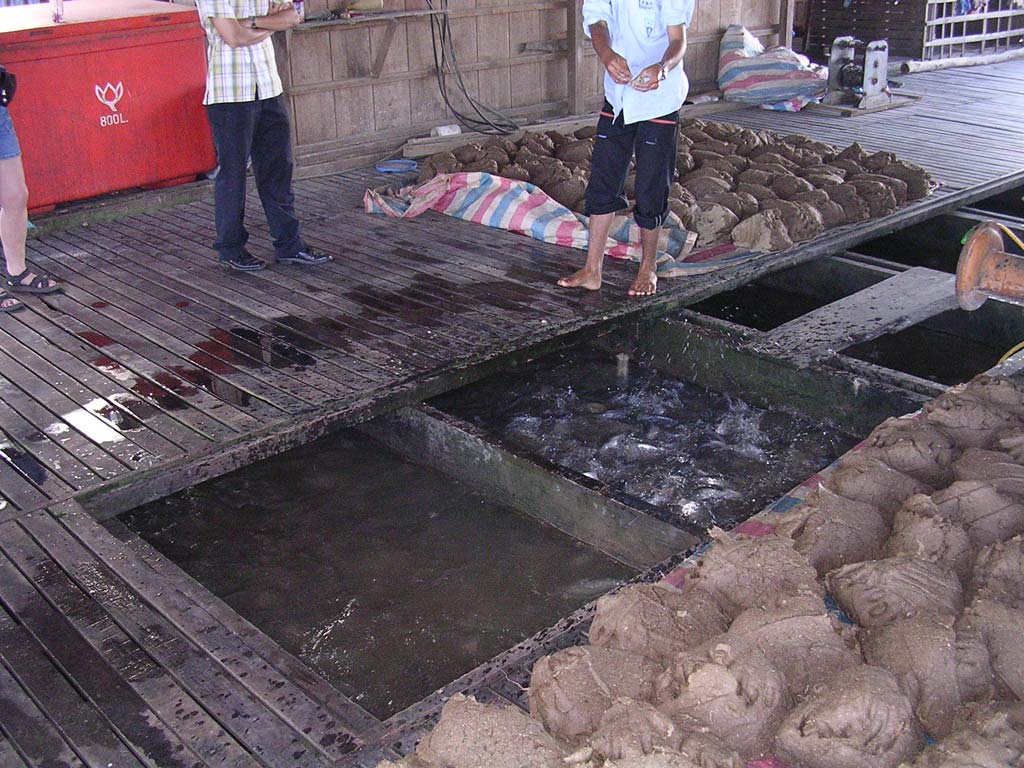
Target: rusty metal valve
[986,271]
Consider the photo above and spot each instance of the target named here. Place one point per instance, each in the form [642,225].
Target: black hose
[447,66]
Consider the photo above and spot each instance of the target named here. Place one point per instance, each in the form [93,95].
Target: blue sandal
[38,284]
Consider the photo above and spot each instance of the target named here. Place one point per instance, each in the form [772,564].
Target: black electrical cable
[447,66]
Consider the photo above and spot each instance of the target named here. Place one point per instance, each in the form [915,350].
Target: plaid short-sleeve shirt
[237,74]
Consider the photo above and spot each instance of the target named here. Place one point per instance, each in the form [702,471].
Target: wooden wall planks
[514,57]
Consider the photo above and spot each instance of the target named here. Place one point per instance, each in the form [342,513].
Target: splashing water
[701,455]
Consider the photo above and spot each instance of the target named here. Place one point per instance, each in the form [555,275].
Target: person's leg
[655,165]
[232,125]
[609,165]
[14,220]
[272,166]
[590,276]
[13,213]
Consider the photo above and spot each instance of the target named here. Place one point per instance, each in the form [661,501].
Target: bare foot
[585,278]
[646,284]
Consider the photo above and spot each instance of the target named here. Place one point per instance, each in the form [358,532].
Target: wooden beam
[577,70]
[889,306]
[385,47]
[787,15]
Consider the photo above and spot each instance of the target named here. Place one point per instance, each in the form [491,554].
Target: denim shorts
[9,146]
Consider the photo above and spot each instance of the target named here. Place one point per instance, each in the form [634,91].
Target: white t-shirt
[638,30]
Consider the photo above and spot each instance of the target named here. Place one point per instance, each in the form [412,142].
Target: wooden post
[576,40]
[787,13]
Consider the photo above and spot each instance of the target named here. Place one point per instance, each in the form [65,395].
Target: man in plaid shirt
[247,113]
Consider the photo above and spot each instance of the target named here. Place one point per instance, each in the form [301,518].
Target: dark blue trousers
[260,130]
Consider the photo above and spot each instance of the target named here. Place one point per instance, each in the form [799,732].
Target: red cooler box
[109,100]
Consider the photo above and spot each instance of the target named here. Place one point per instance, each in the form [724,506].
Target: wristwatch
[252,23]
[663,72]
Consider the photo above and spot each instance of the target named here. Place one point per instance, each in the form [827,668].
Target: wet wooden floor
[156,369]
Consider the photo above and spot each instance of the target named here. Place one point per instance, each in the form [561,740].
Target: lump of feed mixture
[859,719]
[656,621]
[872,481]
[914,448]
[1000,626]
[742,205]
[880,199]
[1003,392]
[855,208]
[999,573]
[714,223]
[803,222]
[470,735]
[571,689]
[764,232]
[739,698]
[631,729]
[797,637]
[916,178]
[878,592]
[937,666]
[970,421]
[745,572]
[998,469]
[831,530]
[921,531]
[988,515]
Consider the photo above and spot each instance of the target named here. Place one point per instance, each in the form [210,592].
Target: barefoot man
[641,44]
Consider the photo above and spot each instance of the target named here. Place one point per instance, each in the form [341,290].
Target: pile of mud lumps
[760,190]
[916,536]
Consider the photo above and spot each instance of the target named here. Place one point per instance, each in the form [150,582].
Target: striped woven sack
[776,78]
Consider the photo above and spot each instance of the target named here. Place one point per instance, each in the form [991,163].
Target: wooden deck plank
[224,339]
[218,413]
[342,332]
[74,597]
[66,411]
[39,668]
[97,373]
[121,304]
[234,403]
[23,409]
[280,284]
[341,285]
[67,609]
[61,464]
[9,757]
[224,652]
[85,387]
[491,281]
[30,732]
[353,360]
